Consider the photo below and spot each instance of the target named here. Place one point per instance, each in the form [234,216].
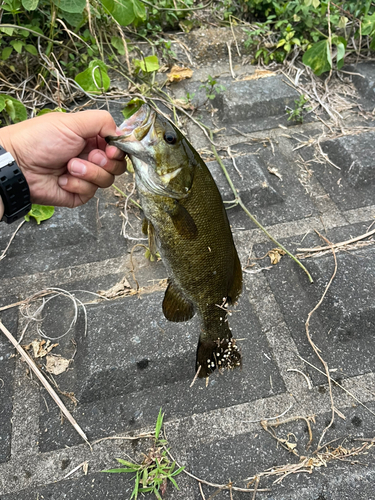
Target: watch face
[14,190]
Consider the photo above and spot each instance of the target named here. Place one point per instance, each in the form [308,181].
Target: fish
[187,223]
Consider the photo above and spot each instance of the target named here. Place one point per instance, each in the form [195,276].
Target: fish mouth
[134,129]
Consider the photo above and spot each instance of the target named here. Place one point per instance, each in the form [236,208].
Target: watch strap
[14,190]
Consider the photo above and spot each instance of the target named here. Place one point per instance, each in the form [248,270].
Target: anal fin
[175,306]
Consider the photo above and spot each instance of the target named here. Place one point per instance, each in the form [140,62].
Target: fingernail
[63,181]
[100,159]
[78,168]
[119,131]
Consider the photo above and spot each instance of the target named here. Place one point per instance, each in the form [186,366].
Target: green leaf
[148,64]
[40,213]
[129,464]
[318,57]
[48,110]
[15,109]
[115,471]
[71,6]
[2,103]
[75,20]
[118,44]
[6,53]
[30,4]
[31,49]
[17,45]
[7,31]
[139,10]
[96,70]
[131,107]
[340,55]
[121,10]
[159,423]
[368,25]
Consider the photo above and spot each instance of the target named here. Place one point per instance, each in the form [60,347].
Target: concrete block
[69,238]
[271,199]
[353,185]
[343,325]
[133,361]
[7,365]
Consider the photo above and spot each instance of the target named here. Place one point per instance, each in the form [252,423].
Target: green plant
[11,110]
[321,29]
[188,99]
[297,114]
[40,213]
[156,469]
[212,88]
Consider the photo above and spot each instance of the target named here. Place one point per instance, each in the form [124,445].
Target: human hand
[64,156]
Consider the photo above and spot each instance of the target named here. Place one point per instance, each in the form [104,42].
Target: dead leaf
[183,103]
[274,171]
[259,73]
[56,364]
[275,255]
[179,73]
[121,288]
[40,347]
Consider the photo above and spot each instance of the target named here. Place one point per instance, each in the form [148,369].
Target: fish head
[163,159]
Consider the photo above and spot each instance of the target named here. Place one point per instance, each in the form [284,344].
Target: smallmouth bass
[188,224]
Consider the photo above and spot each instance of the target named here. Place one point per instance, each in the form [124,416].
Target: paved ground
[132,361]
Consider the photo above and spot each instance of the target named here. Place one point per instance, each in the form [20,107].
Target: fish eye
[170,137]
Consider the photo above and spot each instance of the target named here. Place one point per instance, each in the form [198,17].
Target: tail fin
[220,353]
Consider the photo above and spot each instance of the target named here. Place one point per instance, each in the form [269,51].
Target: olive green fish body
[188,222]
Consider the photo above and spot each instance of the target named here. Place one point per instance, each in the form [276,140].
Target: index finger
[90,123]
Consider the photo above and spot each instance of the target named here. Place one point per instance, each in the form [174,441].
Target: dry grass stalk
[44,382]
[334,382]
[268,427]
[11,239]
[337,245]
[308,464]
[227,486]
[313,345]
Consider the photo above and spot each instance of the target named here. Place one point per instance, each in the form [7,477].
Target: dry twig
[44,382]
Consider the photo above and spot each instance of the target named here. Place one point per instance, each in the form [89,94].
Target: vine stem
[239,202]
[126,196]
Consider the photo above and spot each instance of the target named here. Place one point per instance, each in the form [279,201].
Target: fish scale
[188,220]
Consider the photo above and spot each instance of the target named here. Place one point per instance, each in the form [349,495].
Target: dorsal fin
[175,305]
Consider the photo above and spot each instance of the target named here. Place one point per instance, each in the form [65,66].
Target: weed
[297,114]
[156,469]
[212,88]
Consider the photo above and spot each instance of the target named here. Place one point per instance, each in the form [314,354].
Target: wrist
[14,190]
[6,142]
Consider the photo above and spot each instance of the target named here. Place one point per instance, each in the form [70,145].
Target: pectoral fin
[183,221]
[175,306]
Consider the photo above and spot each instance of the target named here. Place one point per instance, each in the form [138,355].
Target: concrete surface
[132,361]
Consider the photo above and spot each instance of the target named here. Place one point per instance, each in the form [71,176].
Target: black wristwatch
[14,190]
